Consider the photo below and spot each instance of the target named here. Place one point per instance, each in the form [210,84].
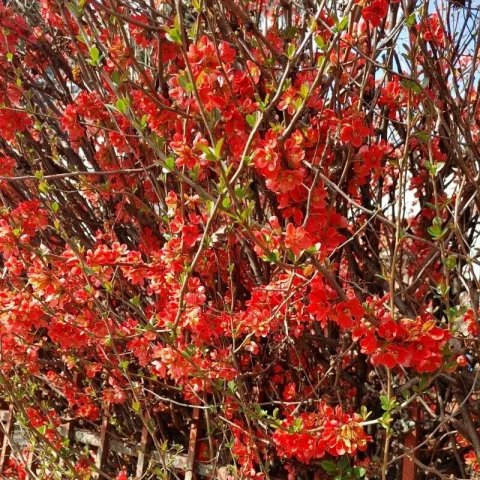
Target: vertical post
[8,422]
[410,442]
[69,429]
[102,446]
[145,439]
[30,462]
[192,444]
[142,454]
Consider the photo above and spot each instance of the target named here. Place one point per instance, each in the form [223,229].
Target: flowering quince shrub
[246,228]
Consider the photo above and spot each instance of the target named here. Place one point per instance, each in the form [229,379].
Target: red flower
[122,475]
[375,12]
[391,330]
[289,101]
[35,417]
[286,180]
[393,95]
[429,363]
[266,159]
[392,356]
[433,31]
[7,166]
[190,235]
[348,312]
[12,122]
[421,348]
[295,152]
[385,358]
[70,123]
[296,239]
[369,343]
[354,132]
[290,391]
[227,53]
[471,460]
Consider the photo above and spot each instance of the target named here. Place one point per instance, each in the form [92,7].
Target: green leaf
[364,413]
[291,50]
[422,384]
[43,187]
[442,289]
[135,301]
[387,403]
[405,394]
[194,172]
[304,90]
[411,85]
[218,147]
[251,119]
[312,25]
[359,472]
[385,420]
[173,34]
[343,463]
[185,83]
[94,55]
[136,407]
[170,164]
[297,425]
[451,262]
[208,151]
[434,168]
[329,466]
[55,207]
[436,230]
[151,424]
[342,25]
[272,257]
[122,105]
[240,192]
[116,78]
[423,136]
[320,42]
[411,20]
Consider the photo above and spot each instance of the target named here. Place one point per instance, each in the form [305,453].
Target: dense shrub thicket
[259,215]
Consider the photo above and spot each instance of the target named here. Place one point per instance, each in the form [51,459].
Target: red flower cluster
[13,122]
[375,12]
[471,460]
[311,436]
[416,344]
